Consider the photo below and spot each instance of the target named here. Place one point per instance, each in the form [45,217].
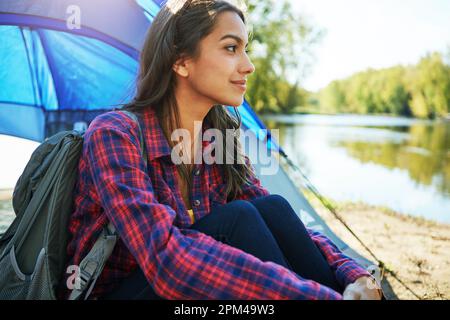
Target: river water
[399,163]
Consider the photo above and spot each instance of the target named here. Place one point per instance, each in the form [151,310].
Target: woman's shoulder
[110,128]
[120,124]
[114,119]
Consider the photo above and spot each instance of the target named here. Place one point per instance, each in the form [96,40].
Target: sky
[362,34]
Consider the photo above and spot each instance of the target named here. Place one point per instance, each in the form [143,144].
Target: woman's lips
[242,85]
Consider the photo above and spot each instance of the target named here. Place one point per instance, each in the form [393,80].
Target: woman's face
[220,71]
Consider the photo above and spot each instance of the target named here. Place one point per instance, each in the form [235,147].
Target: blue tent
[55,75]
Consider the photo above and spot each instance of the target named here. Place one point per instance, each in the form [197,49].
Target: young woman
[195,231]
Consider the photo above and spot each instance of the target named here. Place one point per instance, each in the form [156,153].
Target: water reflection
[399,163]
[424,154]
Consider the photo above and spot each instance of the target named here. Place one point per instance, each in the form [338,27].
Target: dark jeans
[267,228]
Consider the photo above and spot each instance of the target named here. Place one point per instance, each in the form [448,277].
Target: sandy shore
[416,249]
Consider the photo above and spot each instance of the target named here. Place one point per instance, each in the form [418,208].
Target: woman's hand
[364,288]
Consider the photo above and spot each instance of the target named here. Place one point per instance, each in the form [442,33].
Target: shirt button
[196,203]
[197,172]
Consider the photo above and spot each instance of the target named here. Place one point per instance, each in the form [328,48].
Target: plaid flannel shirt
[152,222]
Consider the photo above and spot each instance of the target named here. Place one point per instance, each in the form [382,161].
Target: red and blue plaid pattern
[148,211]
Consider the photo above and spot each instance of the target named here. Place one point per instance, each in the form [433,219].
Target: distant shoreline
[306,113]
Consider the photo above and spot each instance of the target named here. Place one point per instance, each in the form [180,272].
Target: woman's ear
[181,67]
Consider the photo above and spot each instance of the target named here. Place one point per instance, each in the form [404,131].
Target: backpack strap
[92,265]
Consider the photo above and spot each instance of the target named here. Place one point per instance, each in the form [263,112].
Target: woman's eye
[234,48]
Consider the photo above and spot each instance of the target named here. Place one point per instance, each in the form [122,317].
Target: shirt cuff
[349,272]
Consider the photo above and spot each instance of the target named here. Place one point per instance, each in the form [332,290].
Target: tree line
[421,90]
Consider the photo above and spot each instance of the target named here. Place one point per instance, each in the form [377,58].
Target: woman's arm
[345,268]
[178,263]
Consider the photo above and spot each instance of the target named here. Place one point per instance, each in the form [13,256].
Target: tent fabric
[41,74]
[117,22]
[53,77]
[58,76]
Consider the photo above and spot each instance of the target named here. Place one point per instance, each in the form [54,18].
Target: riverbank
[418,250]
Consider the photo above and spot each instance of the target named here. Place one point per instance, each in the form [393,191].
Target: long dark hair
[177,30]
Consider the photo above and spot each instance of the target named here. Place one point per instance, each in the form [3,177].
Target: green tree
[281,47]
[332,99]
[430,87]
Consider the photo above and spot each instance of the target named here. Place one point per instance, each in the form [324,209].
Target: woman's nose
[248,67]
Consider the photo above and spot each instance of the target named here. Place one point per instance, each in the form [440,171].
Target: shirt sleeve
[178,263]
[345,268]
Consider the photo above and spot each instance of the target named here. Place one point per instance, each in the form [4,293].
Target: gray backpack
[33,249]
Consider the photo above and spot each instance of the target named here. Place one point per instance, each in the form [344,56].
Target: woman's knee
[273,200]
[223,218]
[275,206]
[243,210]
